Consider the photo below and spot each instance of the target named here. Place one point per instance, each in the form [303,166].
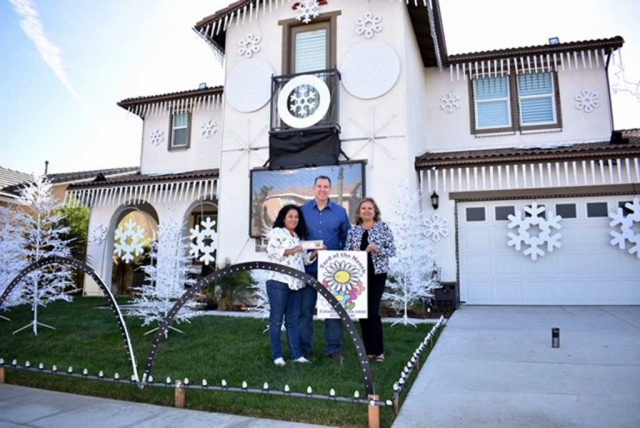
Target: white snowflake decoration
[524,224]
[156,137]
[627,234]
[368,25]
[307,10]
[450,103]
[436,227]
[249,45]
[208,128]
[205,240]
[587,101]
[303,101]
[128,242]
[98,233]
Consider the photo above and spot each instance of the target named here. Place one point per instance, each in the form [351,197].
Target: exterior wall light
[435,199]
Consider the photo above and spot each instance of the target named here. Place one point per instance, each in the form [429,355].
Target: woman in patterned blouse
[284,294]
[375,237]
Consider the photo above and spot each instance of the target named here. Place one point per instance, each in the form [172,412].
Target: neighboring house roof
[131,103]
[586,45]
[430,37]
[9,177]
[628,144]
[138,178]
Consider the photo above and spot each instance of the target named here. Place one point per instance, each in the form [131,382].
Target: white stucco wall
[204,153]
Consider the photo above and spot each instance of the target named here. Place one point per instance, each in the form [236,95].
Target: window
[597,209]
[625,211]
[180,122]
[537,100]
[503,213]
[492,103]
[475,214]
[542,214]
[566,210]
[517,102]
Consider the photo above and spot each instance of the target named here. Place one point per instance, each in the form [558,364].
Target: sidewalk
[20,406]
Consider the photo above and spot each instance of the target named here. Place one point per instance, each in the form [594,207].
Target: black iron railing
[305,101]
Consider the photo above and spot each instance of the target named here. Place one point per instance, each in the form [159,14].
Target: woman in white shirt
[283,291]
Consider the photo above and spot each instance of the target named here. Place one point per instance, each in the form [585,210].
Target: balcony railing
[305,101]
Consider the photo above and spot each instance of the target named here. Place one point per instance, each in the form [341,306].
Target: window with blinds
[310,48]
[180,129]
[492,102]
[536,99]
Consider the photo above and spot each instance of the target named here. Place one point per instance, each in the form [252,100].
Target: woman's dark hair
[301,229]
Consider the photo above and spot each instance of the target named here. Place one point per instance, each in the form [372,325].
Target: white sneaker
[280,362]
[302,360]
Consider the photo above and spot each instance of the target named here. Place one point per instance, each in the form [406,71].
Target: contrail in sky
[33,28]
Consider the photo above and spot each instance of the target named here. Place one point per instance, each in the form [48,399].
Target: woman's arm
[387,244]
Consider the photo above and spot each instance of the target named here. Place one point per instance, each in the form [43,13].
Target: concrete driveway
[495,367]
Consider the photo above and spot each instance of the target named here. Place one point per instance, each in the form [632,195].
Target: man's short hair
[322,177]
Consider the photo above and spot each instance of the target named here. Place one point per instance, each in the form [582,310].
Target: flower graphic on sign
[344,279]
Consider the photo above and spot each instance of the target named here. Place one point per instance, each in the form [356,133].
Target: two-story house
[366,92]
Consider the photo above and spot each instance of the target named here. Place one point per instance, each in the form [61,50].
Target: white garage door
[585,270]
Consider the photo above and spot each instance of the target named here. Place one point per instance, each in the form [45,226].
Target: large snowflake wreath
[208,128]
[303,101]
[249,45]
[587,101]
[368,25]
[627,233]
[128,241]
[527,224]
[450,103]
[307,10]
[98,233]
[156,137]
[204,246]
[436,227]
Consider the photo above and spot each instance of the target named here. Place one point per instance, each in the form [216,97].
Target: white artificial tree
[410,271]
[166,276]
[38,221]
[12,245]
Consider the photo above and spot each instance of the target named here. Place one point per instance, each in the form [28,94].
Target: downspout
[606,72]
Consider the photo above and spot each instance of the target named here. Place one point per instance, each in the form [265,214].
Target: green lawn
[212,348]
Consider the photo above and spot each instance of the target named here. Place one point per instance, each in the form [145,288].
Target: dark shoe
[337,357]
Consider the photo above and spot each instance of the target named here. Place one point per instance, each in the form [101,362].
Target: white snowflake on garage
[587,101]
[450,103]
[534,231]
[128,242]
[156,137]
[308,10]
[625,235]
[98,233]
[203,241]
[208,129]
[368,25]
[249,45]
[436,227]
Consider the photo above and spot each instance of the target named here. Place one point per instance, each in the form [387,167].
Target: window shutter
[311,51]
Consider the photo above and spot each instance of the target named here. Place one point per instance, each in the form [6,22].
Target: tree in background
[237,287]
[410,271]
[38,220]
[76,218]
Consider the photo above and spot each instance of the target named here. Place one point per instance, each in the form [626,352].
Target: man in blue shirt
[328,222]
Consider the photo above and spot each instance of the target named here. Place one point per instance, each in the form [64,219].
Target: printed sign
[344,273]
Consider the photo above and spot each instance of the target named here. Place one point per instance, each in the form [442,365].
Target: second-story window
[492,103]
[179,130]
[537,99]
[310,50]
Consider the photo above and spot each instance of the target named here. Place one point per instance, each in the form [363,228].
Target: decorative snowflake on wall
[368,25]
[128,241]
[303,101]
[207,129]
[204,246]
[307,10]
[249,45]
[436,227]
[526,231]
[98,234]
[156,137]
[450,103]
[627,233]
[587,101]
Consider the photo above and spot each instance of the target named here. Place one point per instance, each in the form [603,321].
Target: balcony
[305,102]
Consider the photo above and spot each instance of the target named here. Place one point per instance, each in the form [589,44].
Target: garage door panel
[585,270]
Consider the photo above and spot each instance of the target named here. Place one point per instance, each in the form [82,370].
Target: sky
[64,64]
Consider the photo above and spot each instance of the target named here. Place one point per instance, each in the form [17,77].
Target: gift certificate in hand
[312,245]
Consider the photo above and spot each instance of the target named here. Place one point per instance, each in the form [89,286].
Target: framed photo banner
[344,273]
